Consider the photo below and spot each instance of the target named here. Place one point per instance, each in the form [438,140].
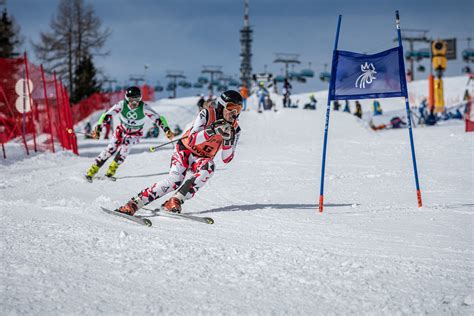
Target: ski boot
[111,171]
[173,205]
[91,172]
[131,207]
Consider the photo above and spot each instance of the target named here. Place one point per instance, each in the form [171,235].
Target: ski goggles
[233,107]
[230,106]
[134,101]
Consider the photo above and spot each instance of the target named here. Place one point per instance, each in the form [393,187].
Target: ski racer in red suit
[215,128]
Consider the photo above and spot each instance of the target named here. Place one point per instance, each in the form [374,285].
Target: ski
[206,220]
[91,179]
[139,220]
[106,178]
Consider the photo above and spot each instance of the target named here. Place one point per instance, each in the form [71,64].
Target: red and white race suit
[125,136]
[195,153]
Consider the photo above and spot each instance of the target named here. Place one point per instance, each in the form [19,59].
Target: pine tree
[75,37]
[85,80]
[10,39]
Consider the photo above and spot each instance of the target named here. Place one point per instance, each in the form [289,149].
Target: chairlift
[171,86]
[468,55]
[221,87]
[293,75]
[307,73]
[186,85]
[325,76]
[301,79]
[203,80]
[280,78]
[233,83]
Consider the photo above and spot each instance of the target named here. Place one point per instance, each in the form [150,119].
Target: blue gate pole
[328,110]
[407,105]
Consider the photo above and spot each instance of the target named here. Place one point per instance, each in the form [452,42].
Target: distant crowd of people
[425,115]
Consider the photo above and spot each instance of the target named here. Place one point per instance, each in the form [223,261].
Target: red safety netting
[96,102]
[148,93]
[102,101]
[34,107]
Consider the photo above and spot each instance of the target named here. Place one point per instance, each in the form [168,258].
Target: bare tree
[76,32]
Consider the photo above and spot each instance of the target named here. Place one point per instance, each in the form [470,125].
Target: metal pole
[407,105]
[326,126]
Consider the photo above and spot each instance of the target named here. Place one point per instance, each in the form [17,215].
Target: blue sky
[187,34]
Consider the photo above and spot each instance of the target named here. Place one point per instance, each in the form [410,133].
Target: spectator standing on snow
[377,108]
[244,92]
[262,94]
[286,93]
[358,110]
[347,108]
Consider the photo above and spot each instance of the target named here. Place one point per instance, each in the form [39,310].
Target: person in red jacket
[215,128]
[244,92]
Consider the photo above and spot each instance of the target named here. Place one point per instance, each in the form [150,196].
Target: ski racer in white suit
[133,112]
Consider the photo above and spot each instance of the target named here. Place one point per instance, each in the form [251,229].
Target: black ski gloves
[223,128]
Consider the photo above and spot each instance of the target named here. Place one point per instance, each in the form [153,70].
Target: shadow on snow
[252,207]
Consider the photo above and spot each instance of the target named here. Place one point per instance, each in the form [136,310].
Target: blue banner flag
[359,76]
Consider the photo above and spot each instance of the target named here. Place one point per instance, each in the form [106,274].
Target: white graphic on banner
[367,76]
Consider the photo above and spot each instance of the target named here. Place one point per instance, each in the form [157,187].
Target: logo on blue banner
[368,72]
[360,76]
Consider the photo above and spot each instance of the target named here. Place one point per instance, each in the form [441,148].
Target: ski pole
[70,131]
[152,149]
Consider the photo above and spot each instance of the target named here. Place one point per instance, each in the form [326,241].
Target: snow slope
[269,252]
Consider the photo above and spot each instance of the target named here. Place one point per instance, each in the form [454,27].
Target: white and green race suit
[130,129]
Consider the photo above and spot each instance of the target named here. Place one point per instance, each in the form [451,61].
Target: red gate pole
[32,116]
[48,112]
[65,114]
[71,123]
[58,102]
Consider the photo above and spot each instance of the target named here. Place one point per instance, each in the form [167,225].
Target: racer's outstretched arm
[106,117]
[115,109]
[158,120]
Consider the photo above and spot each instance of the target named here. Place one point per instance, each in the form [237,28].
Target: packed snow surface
[372,251]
